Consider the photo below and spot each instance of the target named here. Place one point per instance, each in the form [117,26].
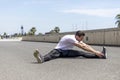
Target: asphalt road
[17,63]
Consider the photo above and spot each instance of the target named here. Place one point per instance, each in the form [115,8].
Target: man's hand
[99,54]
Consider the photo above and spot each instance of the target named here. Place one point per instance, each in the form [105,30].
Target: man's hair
[80,33]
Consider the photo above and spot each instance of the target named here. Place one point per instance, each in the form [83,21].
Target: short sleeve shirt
[66,42]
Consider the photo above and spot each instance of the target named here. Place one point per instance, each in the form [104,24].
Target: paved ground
[17,63]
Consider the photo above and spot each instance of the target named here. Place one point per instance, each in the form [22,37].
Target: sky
[68,15]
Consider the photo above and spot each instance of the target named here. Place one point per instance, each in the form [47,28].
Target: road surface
[17,63]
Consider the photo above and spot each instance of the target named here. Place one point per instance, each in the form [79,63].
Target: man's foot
[104,52]
[38,56]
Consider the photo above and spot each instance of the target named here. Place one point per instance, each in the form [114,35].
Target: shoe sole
[105,54]
[36,55]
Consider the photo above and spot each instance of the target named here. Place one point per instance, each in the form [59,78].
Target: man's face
[79,38]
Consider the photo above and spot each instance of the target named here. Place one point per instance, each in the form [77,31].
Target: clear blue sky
[69,15]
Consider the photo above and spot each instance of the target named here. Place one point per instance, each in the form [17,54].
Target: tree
[118,20]
[5,35]
[32,31]
[57,29]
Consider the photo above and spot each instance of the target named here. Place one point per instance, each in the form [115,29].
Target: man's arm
[88,48]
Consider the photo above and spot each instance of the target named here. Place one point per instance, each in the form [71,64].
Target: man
[64,49]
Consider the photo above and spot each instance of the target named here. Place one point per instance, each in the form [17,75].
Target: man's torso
[66,42]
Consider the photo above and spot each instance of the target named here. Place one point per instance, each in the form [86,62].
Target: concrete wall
[109,36]
[104,36]
[93,37]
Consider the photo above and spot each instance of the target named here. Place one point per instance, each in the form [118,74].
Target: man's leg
[52,55]
[75,53]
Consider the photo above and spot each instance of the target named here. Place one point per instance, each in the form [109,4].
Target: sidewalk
[12,39]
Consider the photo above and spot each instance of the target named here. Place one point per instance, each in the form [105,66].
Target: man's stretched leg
[75,53]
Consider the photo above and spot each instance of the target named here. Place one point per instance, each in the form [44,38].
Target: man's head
[79,35]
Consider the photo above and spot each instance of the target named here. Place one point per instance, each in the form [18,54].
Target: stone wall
[109,36]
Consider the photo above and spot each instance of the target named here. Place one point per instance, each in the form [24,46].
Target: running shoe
[104,52]
[38,56]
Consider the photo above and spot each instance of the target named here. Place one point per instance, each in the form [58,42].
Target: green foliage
[118,20]
[57,29]
[32,31]
[4,34]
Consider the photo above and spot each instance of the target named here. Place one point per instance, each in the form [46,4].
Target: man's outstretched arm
[88,48]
